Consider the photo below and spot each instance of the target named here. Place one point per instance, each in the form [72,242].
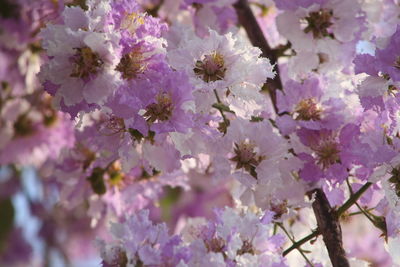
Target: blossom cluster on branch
[201,132]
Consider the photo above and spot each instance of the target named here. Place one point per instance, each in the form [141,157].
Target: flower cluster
[142,111]
[233,239]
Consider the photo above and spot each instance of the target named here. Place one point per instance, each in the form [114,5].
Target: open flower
[303,104]
[321,32]
[219,62]
[82,58]
[249,151]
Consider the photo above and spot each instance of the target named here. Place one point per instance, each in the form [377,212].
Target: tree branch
[342,209]
[257,38]
[329,227]
[327,218]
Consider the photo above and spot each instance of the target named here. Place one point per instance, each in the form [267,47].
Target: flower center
[211,68]
[23,126]
[280,208]
[161,110]
[397,63]
[87,156]
[394,180]
[308,109]
[132,21]
[247,247]
[216,244]
[131,64]
[318,23]
[78,3]
[328,153]
[113,125]
[86,63]
[48,112]
[117,257]
[246,157]
[116,177]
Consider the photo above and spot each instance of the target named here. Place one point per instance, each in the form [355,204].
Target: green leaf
[97,182]
[256,119]
[172,195]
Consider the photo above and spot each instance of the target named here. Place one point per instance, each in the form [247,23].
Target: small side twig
[302,241]
[221,110]
[354,197]
[293,241]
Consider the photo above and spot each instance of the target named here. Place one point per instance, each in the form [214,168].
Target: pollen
[161,110]
[113,125]
[318,23]
[247,247]
[131,65]
[308,110]
[116,177]
[216,244]
[211,68]
[132,21]
[246,157]
[86,63]
[328,153]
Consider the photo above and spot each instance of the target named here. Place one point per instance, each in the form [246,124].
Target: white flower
[326,32]
[219,62]
[83,57]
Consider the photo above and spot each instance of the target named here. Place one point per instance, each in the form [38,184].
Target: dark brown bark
[257,38]
[329,227]
[327,219]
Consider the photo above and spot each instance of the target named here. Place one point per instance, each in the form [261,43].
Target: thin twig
[359,212]
[293,241]
[339,212]
[358,206]
[302,241]
[353,198]
[226,121]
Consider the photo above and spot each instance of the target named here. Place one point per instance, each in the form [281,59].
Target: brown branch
[329,227]
[257,38]
[327,218]
[342,209]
